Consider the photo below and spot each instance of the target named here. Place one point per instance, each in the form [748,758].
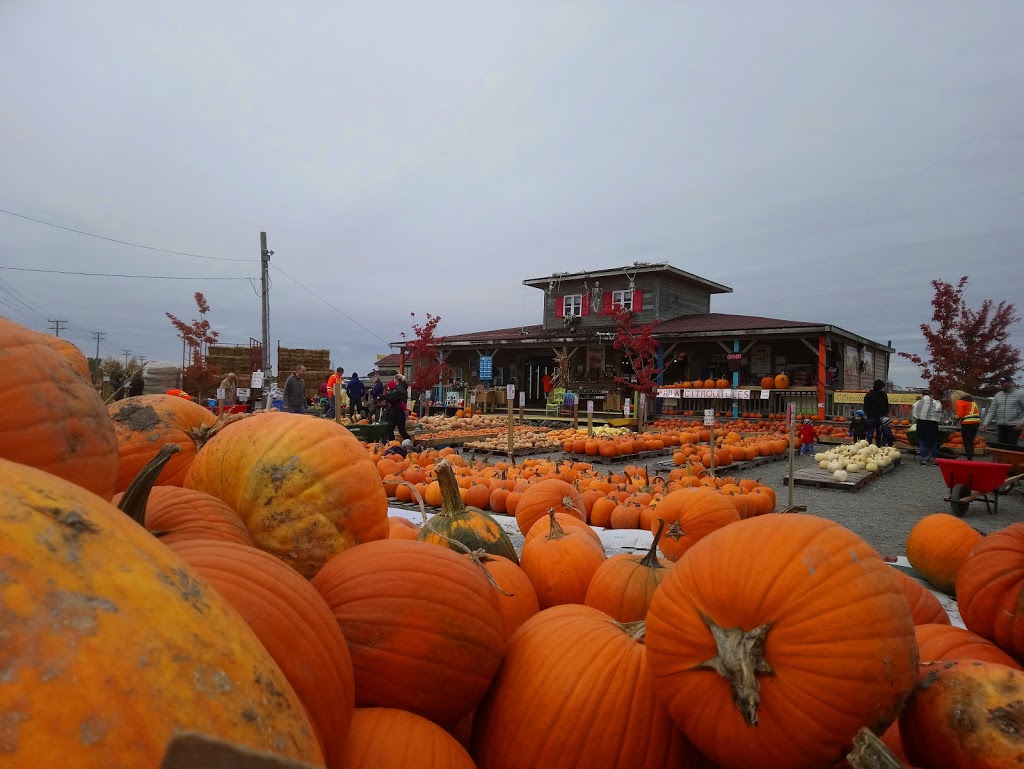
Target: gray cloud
[826,161]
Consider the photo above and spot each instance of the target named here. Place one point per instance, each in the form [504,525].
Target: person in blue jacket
[355,389]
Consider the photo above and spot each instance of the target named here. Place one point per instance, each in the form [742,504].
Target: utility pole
[57,325]
[265,293]
[98,335]
[126,352]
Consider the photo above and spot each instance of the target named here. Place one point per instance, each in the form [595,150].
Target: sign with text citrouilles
[895,399]
[675,392]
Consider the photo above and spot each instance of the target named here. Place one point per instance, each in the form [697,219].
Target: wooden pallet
[524,452]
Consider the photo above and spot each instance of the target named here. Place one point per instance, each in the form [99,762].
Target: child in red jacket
[808,435]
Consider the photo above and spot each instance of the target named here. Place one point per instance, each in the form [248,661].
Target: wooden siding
[662,299]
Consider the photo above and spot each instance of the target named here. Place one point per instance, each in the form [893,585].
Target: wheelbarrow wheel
[957,493]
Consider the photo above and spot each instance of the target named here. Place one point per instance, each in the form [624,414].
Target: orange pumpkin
[53,419]
[781,381]
[372,742]
[425,616]
[181,514]
[94,603]
[305,488]
[402,528]
[925,608]
[71,354]
[550,493]
[561,565]
[736,626]
[690,515]
[551,669]
[517,599]
[721,384]
[622,586]
[767,382]
[938,545]
[946,642]
[295,625]
[990,588]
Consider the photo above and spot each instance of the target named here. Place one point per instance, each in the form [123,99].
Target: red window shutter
[607,300]
[559,307]
[638,300]
[585,305]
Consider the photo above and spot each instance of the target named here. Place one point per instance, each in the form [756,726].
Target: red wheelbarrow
[968,481]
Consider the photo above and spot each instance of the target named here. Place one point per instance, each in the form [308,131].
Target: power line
[122,242]
[117,274]
[314,293]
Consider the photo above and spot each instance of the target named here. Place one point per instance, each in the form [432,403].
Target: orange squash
[420,743]
[561,565]
[517,599]
[925,608]
[622,586]
[990,588]
[690,515]
[938,545]
[946,642]
[550,493]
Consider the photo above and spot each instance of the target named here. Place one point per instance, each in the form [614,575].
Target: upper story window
[572,305]
[623,299]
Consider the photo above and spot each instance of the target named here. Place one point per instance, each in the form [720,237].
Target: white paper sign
[510,391]
[472,399]
[590,408]
[791,414]
[522,399]
[765,394]
[709,416]
[257,380]
[222,394]
[671,392]
[242,393]
[742,395]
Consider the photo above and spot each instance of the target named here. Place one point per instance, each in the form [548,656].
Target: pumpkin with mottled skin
[305,488]
[770,622]
[420,743]
[53,418]
[181,514]
[295,625]
[71,354]
[422,624]
[111,644]
[145,423]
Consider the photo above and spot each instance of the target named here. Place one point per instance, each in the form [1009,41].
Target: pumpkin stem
[869,752]
[474,556]
[557,532]
[136,496]
[451,499]
[417,495]
[635,630]
[651,559]
[740,659]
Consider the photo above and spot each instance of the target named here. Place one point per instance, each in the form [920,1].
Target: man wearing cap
[1006,411]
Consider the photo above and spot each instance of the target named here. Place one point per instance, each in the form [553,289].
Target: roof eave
[716,288]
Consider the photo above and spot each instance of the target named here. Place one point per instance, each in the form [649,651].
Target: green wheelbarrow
[369,433]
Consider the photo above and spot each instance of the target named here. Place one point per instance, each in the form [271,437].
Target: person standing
[137,384]
[876,406]
[970,420]
[334,378]
[355,390]
[808,435]
[396,394]
[859,426]
[230,391]
[117,382]
[377,391]
[1006,411]
[926,411]
[295,392]
[885,430]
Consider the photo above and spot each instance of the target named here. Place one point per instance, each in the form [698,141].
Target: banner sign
[895,399]
[740,395]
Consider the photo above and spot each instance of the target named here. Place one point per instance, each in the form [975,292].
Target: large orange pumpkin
[386,738]
[925,608]
[937,547]
[990,589]
[305,488]
[737,627]
[517,598]
[561,565]
[422,623]
[690,515]
[551,493]
[945,642]
[180,514]
[577,660]
[622,586]
[295,625]
[53,419]
[71,354]
[92,602]
[145,423]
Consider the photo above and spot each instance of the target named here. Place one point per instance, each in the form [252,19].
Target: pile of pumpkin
[956,441]
[608,444]
[855,458]
[523,437]
[255,595]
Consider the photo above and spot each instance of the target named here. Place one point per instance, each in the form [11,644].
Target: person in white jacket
[1006,411]
[927,412]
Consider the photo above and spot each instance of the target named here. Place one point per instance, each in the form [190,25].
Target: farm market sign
[895,399]
[743,395]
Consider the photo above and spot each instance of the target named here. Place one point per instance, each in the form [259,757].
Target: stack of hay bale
[317,363]
[161,376]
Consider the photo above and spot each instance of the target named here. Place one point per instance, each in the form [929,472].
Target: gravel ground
[882,512]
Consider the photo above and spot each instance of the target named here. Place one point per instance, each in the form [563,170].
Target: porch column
[659,362]
[736,380]
[401,361]
[821,377]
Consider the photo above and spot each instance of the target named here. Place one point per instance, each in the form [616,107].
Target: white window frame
[623,299]
[572,306]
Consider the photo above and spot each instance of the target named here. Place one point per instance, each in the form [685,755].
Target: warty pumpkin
[423,626]
[561,565]
[470,526]
[737,626]
[145,423]
[387,738]
[990,589]
[294,624]
[622,586]
[937,643]
[690,515]
[937,547]
[305,488]
[53,419]
[90,602]
[577,660]
[550,493]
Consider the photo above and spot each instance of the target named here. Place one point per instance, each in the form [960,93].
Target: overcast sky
[826,160]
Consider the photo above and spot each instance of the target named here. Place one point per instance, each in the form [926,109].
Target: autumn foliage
[967,349]
[197,336]
[639,347]
[424,353]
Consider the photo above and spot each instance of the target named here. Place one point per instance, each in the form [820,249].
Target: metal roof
[635,268]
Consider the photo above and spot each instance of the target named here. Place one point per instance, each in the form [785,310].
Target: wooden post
[576,414]
[338,390]
[511,426]
[711,438]
[821,377]
[522,403]
[791,417]
[590,419]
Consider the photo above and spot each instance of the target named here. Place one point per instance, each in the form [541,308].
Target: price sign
[765,394]
[625,408]
[486,368]
[472,399]
[510,391]
[221,393]
[257,379]
[590,408]
[791,414]
[242,393]
[709,416]
[522,399]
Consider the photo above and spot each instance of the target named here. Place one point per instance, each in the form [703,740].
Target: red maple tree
[967,349]
[197,336]
[424,353]
[639,347]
